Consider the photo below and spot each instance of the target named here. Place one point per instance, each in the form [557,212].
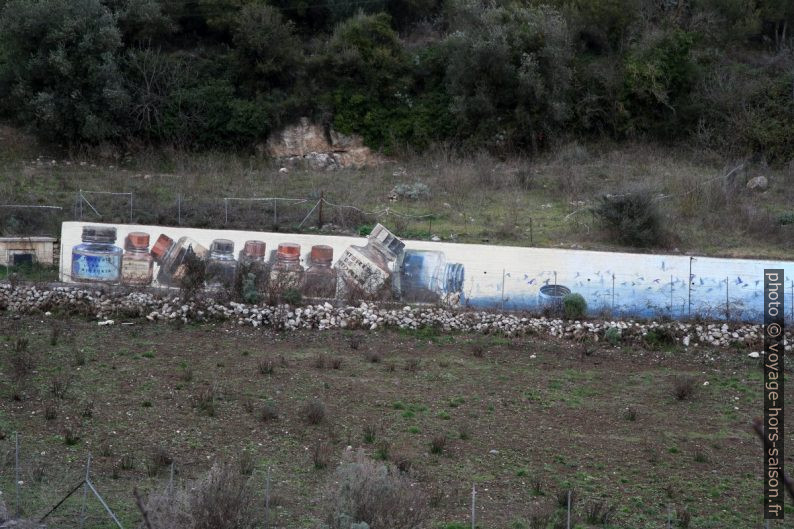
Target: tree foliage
[61,70]
[510,76]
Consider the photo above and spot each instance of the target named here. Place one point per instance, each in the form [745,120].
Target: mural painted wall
[382,266]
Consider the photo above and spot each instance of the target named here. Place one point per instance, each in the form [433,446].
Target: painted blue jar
[98,259]
[426,276]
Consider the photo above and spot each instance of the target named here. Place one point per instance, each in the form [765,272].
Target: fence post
[613,295]
[16,471]
[530,231]
[689,291]
[267,498]
[171,480]
[568,523]
[320,211]
[727,301]
[85,490]
[671,295]
[503,289]
[473,506]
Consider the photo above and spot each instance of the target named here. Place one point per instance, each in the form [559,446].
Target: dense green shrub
[745,110]
[266,49]
[632,218]
[509,73]
[659,77]
[574,305]
[60,70]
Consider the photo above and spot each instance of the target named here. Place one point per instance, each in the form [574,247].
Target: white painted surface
[640,284]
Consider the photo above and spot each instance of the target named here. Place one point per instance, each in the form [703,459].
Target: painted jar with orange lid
[136,263]
[252,260]
[320,278]
[287,271]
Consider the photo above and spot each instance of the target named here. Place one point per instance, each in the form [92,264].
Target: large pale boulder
[298,140]
[307,144]
[759,183]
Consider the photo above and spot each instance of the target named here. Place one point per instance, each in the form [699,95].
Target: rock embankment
[109,307]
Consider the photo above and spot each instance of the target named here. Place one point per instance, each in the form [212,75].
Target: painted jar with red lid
[136,263]
[287,271]
[252,260]
[320,277]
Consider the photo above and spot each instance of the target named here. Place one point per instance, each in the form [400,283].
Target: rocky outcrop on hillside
[310,145]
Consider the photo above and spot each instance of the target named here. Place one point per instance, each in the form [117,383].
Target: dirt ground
[524,419]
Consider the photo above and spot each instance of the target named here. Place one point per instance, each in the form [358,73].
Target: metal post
[669,518]
[613,295]
[171,480]
[689,294]
[473,506]
[226,210]
[503,289]
[16,470]
[130,207]
[568,523]
[430,228]
[727,301]
[671,295]
[81,204]
[85,490]
[275,212]
[267,497]
[320,210]
[530,231]
[104,504]
[179,209]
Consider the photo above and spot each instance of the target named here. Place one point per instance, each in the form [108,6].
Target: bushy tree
[746,110]
[509,73]
[140,21]
[61,68]
[632,218]
[660,74]
[269,54]
[365,68]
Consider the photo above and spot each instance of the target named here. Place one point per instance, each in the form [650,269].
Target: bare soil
[525,419]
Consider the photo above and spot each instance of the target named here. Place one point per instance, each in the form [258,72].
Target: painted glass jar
[221,266]
[97,259]
[287,272]
[320,277]
[175,257]
[426,276]
[367,270]
[252,260]
[136,263]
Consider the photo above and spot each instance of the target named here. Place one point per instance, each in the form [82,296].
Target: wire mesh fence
[97,491]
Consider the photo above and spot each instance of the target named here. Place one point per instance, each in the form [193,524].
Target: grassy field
[523,418]
[477,198]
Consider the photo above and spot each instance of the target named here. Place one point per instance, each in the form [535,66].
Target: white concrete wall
[647,285]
